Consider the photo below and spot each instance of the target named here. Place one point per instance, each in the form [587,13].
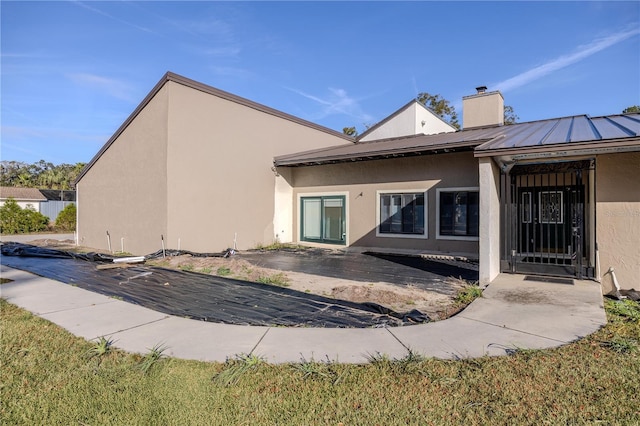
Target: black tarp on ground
[204,297]
[416,271]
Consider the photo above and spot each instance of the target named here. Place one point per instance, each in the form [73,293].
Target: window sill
[456,238]
[408,236]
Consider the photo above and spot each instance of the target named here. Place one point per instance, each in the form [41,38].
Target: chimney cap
[481,89]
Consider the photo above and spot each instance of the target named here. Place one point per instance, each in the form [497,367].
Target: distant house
[25,197]
[49,202]
[204,169]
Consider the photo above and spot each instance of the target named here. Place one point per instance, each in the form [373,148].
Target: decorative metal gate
[548,209]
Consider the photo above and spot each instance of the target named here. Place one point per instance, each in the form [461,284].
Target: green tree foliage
[66,220]
[16,220]
[350,131]
[510,117]
[43,175]
[440,106]
[633,108]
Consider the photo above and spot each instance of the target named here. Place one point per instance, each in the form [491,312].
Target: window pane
[385,213]
[402,213]
[418,226]
[311,221]
[460,218]
[459,213]
[446,213]
[333,219]
[473,212]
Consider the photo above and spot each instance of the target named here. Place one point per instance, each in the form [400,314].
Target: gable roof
[397,113]
[21,194]
[172,77]
[568,133]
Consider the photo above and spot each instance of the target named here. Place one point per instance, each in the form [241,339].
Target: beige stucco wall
[125,192]
[361,181]
[618,218]
[220,183]
[489,220]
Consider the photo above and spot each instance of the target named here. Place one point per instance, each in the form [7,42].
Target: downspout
[615,283]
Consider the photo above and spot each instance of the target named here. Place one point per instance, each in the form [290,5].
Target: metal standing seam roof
[565,132]
[21,194]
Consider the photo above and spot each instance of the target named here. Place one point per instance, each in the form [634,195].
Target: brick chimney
[482,109]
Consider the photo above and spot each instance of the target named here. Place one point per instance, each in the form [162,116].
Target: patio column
[489,244]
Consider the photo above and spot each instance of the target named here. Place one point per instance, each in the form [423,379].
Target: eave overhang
[283,161]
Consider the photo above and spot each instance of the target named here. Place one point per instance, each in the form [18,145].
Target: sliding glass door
[323,219]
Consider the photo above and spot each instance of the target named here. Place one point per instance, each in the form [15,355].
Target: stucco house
[205,169]
[24,197]
[192,167]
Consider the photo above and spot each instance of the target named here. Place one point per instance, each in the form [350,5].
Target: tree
[66,220]
[441,107]
[510,117]
[350,131]
[633,108]
[14,220]
[41,175]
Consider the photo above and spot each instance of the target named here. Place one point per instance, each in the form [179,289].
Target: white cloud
[565,60]
[101,12]
[336,102]
[114,88]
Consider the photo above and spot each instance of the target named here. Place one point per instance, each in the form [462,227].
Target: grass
[223,271]
[468,294]
[187,267]
[152,357]
[46,378]
[279,279]
[280,246]
[5,280]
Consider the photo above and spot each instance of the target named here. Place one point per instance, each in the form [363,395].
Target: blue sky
[73,71]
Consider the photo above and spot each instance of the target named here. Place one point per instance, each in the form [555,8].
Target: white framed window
[401,214]
[458,213]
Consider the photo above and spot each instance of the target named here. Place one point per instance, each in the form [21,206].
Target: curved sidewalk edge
[513,314]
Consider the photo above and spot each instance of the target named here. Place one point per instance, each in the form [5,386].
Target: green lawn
[49,376]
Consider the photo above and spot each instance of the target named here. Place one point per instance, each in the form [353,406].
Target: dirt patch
[401,298]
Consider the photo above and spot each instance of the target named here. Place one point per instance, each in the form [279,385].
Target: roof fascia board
[593,146]
[375,155]
[124,125]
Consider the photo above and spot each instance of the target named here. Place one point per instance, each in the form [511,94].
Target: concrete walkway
[513,313]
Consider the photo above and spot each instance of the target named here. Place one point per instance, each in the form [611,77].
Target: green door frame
[323,219]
